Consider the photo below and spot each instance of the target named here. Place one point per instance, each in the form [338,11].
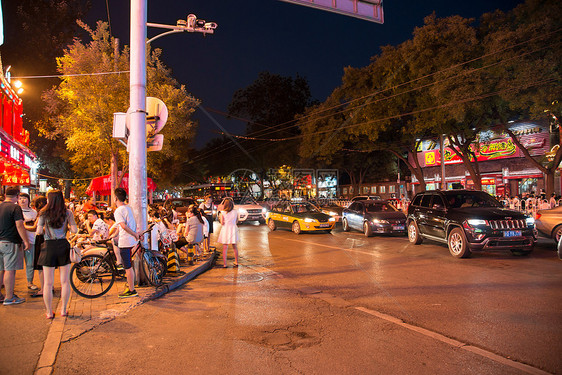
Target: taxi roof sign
[370,10]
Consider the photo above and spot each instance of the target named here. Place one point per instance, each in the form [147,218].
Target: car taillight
[538,217]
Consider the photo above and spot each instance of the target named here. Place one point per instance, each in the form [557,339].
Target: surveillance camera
[191,20]
[210,25]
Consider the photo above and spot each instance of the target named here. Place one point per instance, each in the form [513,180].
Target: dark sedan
[370,217]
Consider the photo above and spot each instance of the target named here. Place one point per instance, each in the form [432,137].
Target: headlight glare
[530,221]
[477,222]
[308,220]
[331,219]
[380,221]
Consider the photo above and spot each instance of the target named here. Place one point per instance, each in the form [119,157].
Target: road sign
[155,143]
[370,10]
[157,115]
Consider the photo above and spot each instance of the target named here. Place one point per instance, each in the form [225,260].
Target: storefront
[100,187]
[504,168]
[17,161]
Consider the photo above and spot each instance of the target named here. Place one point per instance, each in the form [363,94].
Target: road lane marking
[458,344]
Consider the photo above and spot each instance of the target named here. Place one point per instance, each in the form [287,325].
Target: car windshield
[463,200]
[379,207]
[303,207]
[243,201]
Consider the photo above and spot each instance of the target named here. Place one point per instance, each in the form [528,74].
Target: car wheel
[414,233]
[458,245]
[367,229]
[557,233]
[521,252]
[345,225]
[271,225]
[296,227]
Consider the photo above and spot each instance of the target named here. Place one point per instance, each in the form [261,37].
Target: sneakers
[128,293]
[15,300]
[1,298]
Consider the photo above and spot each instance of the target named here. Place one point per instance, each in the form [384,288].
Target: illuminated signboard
[499,148]
[370,10]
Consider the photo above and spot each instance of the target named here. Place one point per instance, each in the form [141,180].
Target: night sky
[271,35]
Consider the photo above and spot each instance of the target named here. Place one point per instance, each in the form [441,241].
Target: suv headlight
[264,210]
[530,222]
[474,222]
[243,211]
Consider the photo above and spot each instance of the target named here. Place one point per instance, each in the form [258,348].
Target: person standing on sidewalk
[12,234]
[54,222]
[29,216]
[229,231]
[127,239]
[206,209]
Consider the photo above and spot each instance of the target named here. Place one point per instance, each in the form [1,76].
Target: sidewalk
[85,314]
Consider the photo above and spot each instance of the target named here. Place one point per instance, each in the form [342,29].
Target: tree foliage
[80,109]
[454,77]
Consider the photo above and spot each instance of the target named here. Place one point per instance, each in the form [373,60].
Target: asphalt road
[341,303]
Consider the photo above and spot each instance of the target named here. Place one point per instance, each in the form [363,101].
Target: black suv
[467,221]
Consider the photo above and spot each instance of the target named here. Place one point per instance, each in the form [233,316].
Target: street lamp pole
[137,115]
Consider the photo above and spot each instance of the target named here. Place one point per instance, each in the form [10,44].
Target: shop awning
[102,185]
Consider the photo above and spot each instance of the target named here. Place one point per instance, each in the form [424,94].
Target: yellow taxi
[299,217]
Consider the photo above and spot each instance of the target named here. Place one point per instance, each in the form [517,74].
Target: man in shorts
[12,234]
[97,228]
[127,239]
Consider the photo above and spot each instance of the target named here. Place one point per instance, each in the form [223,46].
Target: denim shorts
[126,257]
[11,256]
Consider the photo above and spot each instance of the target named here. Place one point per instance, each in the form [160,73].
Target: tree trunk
[113,171]
[415,170]
[549,182]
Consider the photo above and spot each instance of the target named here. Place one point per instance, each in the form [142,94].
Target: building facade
[504,168]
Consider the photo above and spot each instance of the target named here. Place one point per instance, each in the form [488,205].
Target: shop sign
[497,149]
[488,181]
[16,177]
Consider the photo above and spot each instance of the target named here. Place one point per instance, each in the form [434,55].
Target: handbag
[75,255]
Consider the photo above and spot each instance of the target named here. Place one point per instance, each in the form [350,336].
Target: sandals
[64,313]
[50,317]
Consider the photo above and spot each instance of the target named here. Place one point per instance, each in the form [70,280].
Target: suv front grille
[508,224]
[254,211]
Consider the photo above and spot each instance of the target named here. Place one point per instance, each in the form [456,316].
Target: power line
[73,75]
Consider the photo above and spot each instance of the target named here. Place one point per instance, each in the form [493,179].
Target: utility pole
[137,115]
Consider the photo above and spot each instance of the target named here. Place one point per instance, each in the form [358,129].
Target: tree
[531,70]
[80,109]
[271,103]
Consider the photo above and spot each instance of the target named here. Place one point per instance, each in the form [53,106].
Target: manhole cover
[244,278]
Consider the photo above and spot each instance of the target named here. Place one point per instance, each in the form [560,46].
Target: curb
[160,291]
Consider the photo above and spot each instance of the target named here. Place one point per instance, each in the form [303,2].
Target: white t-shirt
[124,214]
[102,230]
[29,214]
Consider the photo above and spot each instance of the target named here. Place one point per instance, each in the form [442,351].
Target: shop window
[373,189]
[382,189]
[365,190]
[392,189]
[344,191]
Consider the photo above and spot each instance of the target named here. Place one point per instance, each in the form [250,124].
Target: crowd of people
[35,236]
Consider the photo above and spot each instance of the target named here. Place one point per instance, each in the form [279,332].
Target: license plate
[324,226]
[398,227]
[512,233]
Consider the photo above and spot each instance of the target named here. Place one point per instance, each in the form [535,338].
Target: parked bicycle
[95,274]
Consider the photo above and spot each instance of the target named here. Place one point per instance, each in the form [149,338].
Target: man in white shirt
[128,238]
[97,228]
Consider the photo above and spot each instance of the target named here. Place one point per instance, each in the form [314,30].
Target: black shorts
[39,240]
[181,242]
[54,253]
[126,257]
[210,220]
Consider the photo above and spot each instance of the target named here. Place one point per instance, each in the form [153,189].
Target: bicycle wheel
[152,268]
[92,277]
